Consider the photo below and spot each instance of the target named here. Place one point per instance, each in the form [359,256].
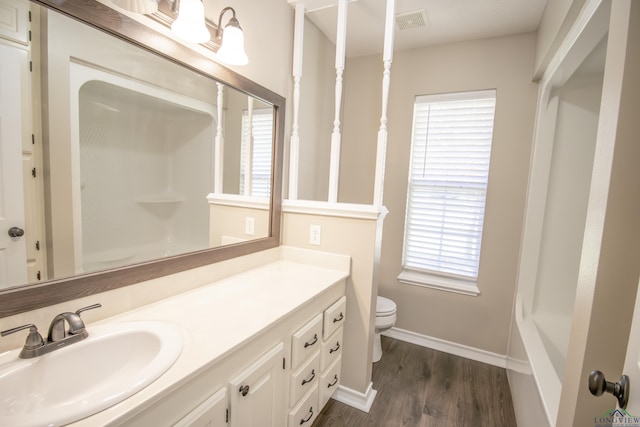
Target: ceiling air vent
[413,19]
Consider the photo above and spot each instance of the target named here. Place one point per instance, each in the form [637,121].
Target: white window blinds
[451,146]
[260,148]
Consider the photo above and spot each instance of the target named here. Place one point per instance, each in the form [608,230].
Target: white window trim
[439,281]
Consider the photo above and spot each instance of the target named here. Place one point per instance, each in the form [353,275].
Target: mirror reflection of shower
[146,167]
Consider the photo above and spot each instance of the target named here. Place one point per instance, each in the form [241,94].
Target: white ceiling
[448,21]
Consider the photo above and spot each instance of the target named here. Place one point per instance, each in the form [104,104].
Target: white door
[13,256]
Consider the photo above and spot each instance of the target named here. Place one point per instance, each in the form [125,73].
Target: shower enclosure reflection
[145,167]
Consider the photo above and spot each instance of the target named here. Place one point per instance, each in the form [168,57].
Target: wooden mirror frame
[32,296]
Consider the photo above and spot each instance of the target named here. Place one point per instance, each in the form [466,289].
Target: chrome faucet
[59,336]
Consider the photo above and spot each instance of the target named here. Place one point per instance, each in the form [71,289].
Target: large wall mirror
[134,156]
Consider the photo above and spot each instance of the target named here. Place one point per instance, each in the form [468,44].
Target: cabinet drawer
[306,341]
[331,350]
[329,382]
[306,411]
[334,317]
[304,379]
[210,413]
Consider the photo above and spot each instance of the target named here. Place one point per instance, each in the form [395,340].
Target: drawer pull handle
[244,389]
[335,381]
[313,375]
[337,319]
[302,421]
[331,350]
[315,340]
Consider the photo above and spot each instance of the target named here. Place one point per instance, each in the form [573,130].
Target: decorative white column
[294,146]
[387,58]
[248,159]
[334,165]
[218,147]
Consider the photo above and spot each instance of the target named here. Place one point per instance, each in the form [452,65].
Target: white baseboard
[448,347]
[519,366]
[355,399]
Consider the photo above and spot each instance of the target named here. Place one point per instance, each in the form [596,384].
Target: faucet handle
[34,339]
[89,307]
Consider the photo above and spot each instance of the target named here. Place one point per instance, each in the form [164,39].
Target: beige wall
[227,223]
[504,64]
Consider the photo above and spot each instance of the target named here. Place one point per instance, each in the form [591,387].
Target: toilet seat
[385,307]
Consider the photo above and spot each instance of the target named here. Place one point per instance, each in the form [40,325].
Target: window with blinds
[258,167]
[449,168]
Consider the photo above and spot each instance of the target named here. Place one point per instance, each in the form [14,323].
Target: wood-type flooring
[420,387]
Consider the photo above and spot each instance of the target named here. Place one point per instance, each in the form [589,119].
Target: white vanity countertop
[251,301]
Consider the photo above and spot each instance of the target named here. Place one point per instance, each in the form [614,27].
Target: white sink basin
[66,385]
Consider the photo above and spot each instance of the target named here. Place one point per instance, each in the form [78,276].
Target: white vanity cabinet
[316,350]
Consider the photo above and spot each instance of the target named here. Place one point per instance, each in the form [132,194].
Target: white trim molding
[238,201]
[343,210]
[315,5]
[456,349]
[438,282]
[355,399]
[519,366]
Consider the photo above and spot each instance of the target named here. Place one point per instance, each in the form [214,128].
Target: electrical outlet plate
[250,226]
[315,232]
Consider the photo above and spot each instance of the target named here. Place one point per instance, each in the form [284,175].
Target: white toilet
[385,319]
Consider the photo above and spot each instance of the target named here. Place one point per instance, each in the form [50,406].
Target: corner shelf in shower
[160,198]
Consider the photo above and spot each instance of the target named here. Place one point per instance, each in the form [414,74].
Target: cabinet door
[256,395]
[210,413]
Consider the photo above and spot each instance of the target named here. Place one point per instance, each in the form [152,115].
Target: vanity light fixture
[190,25]
[232,41]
